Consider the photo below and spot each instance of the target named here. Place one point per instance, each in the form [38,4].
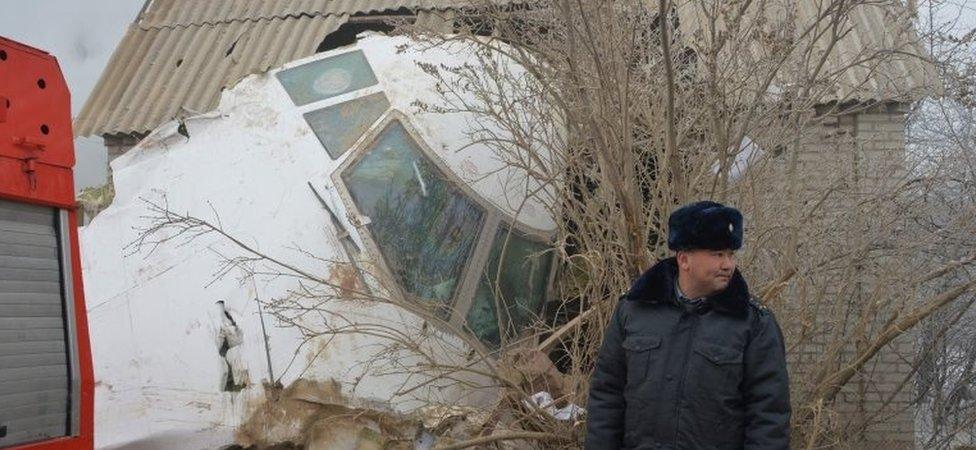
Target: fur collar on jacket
[657,286]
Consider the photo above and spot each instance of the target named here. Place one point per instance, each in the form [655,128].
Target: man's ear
[682,258]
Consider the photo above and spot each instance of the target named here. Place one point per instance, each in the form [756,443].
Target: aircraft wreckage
[201,276]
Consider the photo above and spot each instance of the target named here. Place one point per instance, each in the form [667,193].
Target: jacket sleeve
[767,388]
[605,406]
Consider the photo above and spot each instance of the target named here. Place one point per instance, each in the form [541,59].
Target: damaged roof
[178,55]
[876,56]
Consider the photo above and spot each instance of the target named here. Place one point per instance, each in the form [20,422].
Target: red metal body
[36,166]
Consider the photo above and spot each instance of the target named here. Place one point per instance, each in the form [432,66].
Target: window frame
[494,217]
[486,246]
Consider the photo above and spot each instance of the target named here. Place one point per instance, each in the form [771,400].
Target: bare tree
[755,103]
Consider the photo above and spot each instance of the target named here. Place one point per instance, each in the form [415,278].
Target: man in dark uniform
[690,360]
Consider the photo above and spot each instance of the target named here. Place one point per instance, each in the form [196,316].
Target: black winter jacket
[670,377]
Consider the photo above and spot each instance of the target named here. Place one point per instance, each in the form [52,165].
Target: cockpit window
[424,226]
[325,78]
[514,281]
[339,126]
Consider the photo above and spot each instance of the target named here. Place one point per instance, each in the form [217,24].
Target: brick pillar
[864,151]
[117,144]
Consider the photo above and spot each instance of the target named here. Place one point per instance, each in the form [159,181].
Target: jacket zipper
[684,376]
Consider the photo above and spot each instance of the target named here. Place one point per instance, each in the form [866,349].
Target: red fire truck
[46,384]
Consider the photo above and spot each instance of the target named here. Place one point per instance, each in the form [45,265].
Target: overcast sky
[82,34]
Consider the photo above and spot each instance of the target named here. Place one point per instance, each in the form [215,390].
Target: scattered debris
[533,371]
[230,338]
[314,415]
[453,421]
[543,400]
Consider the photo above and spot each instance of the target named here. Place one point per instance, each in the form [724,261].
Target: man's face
[709,271]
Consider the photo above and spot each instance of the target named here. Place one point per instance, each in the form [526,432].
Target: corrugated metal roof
[876,57]
[183,13]
[881,57]
[179,54]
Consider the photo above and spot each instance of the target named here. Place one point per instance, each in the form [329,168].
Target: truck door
[38,377]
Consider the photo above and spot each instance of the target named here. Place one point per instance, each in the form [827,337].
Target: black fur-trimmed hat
[705,225]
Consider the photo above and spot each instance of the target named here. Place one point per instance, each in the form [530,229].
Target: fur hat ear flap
[705,225]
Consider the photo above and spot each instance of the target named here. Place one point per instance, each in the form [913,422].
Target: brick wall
[863,152]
